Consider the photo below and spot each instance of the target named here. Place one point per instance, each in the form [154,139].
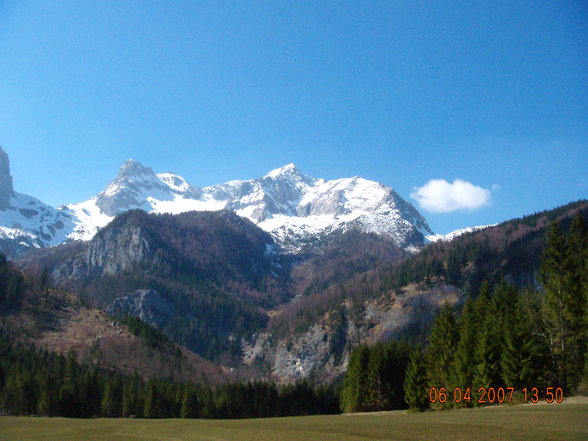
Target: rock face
[6,190]
[26,222]
[118,250]
[323,350]
[146,304]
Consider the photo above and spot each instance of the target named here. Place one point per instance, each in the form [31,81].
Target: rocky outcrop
[6,190]
[118,250]
[146,304]
[322,351]
[26,222]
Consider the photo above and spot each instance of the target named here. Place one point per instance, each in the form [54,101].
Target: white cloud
[440,196]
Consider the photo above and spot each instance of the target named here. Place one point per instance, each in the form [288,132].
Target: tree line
[34,382]
[374,380]
[503,336]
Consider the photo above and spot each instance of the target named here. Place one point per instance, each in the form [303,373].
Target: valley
[304,221]
[217,297]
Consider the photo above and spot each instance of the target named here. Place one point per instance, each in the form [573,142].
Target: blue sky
[404,92]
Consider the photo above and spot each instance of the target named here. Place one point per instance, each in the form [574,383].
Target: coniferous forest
[518,340]
[47,384]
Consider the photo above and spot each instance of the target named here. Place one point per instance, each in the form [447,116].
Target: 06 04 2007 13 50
[492,395]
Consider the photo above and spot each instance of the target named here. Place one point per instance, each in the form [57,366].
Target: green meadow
[567,421]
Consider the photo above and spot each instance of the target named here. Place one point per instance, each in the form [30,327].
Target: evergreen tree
[415,382]
[40,383]
[523,362]
[396,358]
[206,398]
[564,307]
[440,353]
[375,398]
[112,398]
[464,361]
[90,388]
[45,405]
[353,395]
[488,346]
[578,247]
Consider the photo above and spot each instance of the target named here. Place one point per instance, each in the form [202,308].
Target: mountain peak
[133,168]
[288,169]
[128,189]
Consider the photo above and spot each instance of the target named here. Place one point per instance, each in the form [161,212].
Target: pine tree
[488,345]
[441,351]
[190,405]
[578,248]
[415,382]
[464,361]
[91,389]
[523,360]
[564,307]
[131,401]
[206,397]
[44,407]
[112,399]
[353,395]
[396,358]
[374,389]
[153,403]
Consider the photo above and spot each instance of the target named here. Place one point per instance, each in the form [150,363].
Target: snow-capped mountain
[135,186]
[298,210]
[295,208]
[25,221]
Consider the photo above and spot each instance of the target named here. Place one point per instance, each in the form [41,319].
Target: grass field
[567,421]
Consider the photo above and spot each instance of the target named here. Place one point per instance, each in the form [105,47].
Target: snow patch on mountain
[87,219]
[29,217]
[450,236]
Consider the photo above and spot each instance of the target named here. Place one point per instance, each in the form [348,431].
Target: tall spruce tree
[396,358]
[415,382]
[523,358]
[375,398]
[353,395]
[488,344]
[112,398]
[190,406]
[564,308]
[464,361]
[441,351]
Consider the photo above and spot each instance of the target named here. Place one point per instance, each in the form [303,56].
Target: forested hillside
[505,342]
[32,312]
[511,250]
[214,274]
[400,300]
